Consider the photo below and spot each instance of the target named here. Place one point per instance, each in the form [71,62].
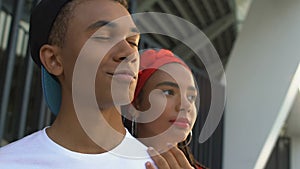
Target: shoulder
[131,152]
[131,147]
[21,149]
[22,144]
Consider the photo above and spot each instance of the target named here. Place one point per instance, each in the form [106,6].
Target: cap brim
[52,91]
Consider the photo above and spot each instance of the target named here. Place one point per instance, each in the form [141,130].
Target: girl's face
[175,93]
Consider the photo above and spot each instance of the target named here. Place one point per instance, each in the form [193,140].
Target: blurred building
[249,134]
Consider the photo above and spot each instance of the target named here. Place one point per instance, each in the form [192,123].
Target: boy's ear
[51,60]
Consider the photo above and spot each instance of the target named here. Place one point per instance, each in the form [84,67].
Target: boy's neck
[103,136]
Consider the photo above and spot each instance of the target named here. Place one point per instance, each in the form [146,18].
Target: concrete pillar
[295,153]
[261,82]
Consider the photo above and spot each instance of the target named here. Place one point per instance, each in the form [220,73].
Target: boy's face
[120,63]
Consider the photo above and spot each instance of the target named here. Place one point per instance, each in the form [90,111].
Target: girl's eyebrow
[168,83]
[192,88]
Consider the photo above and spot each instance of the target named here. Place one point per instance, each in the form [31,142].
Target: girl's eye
[168,92]
[191,98]
[133,44]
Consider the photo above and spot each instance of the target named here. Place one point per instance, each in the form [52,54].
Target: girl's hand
[174,158]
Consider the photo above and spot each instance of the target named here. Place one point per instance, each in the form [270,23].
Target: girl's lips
[181,122]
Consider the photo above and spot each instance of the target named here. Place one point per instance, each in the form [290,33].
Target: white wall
[259,76]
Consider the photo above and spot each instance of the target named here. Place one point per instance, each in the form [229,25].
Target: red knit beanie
[150,61]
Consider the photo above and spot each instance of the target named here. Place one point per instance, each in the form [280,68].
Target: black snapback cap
[41,22]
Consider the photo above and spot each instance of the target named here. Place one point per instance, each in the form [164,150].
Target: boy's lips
[123,75]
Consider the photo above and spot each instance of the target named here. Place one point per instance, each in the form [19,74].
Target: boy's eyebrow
[167,83]
[102,23]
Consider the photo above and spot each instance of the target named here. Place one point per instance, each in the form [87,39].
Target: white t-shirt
[38,151]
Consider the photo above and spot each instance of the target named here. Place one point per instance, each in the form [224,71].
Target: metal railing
[21,102]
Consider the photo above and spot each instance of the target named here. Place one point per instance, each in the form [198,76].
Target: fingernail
[169,145]
[148,164]
[151,149]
